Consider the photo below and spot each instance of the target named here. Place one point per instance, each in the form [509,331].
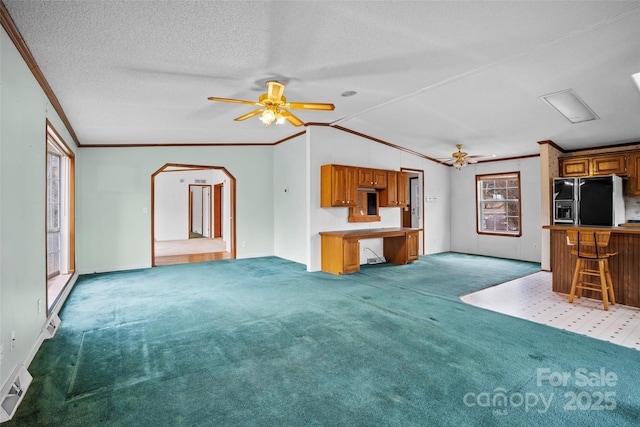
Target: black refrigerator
[600,201]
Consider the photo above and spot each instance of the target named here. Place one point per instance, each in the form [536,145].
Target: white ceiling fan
[460,159]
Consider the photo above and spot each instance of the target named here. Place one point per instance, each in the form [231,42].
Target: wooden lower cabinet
[401,250]
[350,255]
[413,246]
[624,267]
[339,255]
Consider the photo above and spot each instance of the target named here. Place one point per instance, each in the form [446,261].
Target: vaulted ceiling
[427,75]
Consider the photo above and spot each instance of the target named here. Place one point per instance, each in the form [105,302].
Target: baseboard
[16,387]
[112,269]
[13,392]
[255,255]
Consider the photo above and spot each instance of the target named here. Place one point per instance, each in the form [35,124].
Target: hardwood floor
[171,252]
[188,258]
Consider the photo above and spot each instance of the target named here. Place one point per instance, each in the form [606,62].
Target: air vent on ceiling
[636,79]
[201,181]
[568,104]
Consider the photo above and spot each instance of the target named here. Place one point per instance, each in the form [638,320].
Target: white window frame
[498,203]
[55,287]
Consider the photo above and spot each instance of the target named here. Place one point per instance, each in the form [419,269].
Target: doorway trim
[218,208]
[420,172]
[204,206]
[169,167]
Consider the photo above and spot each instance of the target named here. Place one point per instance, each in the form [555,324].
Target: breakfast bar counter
[624,267]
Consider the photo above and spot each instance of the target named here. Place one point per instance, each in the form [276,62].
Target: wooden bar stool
[591,247]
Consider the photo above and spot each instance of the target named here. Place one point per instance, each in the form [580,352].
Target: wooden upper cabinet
[395,195]
[338,186]
[402,189]
[594,166]
[372,178]
[609,165]
[574,167]
[633,183]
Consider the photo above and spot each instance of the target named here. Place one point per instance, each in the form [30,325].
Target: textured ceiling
[428,75]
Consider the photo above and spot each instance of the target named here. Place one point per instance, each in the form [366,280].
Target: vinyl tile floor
[531,298]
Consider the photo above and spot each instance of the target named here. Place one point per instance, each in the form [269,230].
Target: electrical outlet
[1,352]
[39,305]
[244,243]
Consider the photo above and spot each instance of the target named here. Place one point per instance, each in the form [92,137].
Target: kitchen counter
[630,224]
[624,267]
[633,228]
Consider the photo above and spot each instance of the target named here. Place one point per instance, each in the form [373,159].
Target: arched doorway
[172,214]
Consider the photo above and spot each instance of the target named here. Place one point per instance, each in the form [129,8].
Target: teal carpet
[262,342]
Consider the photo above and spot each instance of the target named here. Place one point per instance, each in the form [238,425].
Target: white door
[196,209]
[416,205]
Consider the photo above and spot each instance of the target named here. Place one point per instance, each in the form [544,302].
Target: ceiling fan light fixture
[459,164]
[567,103]
[267,117]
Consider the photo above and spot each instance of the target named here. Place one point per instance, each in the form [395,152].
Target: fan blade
[310,106]
[292,119]
[275,91]
[481,156]
[248,115]
[237,101]
[448,160]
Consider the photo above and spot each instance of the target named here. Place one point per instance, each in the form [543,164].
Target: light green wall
[114,201]
[290,200]
[24,109]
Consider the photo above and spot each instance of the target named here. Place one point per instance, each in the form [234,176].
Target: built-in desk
[341,249]
[624,267]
